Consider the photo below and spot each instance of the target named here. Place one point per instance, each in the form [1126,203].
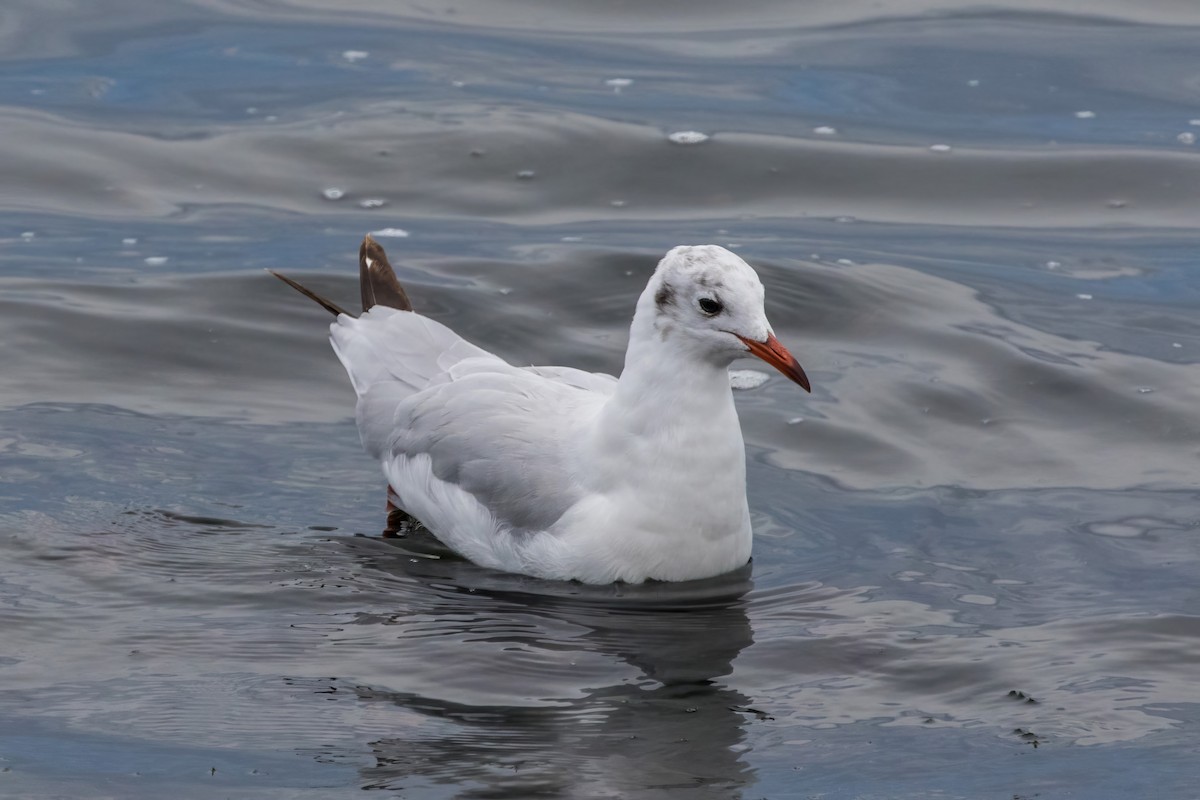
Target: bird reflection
[676,725]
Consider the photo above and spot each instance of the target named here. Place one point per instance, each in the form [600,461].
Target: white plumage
[559,473]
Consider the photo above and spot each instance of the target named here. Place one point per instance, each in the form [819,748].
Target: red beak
[775,354]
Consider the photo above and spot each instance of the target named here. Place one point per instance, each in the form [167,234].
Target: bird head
[711,301]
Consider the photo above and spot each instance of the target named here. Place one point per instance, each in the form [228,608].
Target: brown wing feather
[377,279]
[328,305]
[377,282]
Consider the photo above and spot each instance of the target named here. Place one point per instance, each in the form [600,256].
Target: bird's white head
[710,301]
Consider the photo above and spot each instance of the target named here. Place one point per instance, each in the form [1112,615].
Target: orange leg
[398,520]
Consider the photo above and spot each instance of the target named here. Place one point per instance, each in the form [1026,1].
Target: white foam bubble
[1085,114]
[687,137]
[1187,137]
[825,130]
[743,379]
[155,261]
[354,55]
[393,233]
[333,193]
[372,202]
[940,148]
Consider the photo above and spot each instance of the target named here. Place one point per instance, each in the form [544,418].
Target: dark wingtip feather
[377,280]
[328,305]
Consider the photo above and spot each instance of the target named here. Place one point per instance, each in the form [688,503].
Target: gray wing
[391,355]
[385,345]
[501,433]
[504,435]
[592,381]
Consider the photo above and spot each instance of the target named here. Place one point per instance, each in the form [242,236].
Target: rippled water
[976,561]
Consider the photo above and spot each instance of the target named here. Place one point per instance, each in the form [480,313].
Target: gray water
[976,565]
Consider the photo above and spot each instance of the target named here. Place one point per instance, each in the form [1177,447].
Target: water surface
[976,560]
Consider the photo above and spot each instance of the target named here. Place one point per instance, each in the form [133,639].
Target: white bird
[558,473]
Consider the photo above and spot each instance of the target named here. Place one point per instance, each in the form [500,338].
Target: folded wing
[506,435]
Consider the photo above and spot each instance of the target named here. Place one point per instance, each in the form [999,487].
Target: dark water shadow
[671,724]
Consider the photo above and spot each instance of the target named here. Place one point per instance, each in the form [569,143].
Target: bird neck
[668,442]
[668,382]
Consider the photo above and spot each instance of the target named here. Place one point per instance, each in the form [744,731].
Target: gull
[559,473]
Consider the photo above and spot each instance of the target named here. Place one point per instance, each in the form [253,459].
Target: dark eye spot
[664,297]
[710,306]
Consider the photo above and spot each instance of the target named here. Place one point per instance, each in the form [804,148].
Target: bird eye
[710,306]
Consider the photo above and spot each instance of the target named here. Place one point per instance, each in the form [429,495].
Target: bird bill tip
[775,354]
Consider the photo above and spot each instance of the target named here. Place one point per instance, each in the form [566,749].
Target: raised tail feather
[377,281]
[328,305]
